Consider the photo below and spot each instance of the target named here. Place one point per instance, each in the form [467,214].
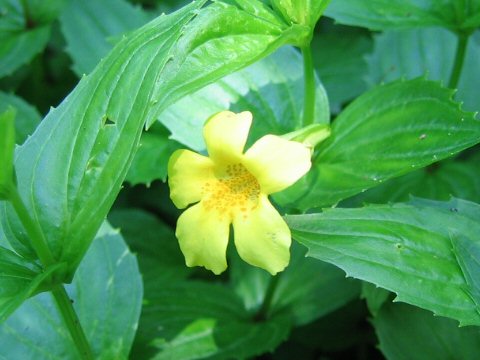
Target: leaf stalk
[309,83]
[460,52]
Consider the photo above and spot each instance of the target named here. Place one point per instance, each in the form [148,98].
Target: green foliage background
[103,91]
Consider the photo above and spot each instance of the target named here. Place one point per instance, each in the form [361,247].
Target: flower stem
[459,59]
[34,232]
[43,252]
[71,321]
[309,81]
[264,310]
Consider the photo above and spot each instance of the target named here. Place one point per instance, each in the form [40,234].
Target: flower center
[236,190]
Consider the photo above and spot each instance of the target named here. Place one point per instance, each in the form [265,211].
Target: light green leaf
[303,12]
[7,148]
[88,26]
[106,294]
[343,76]
[308,289]
[415,52]
[389,131]
[193,320]
[374,296]
[19,279]
[272,89]
[403,248]
[440,181]
[159,255]
[401,328]
[27,118]
[71,170]
[395,14]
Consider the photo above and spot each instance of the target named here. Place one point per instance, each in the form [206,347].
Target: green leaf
[193,320]
[89,25]
[7,148]
[374,296]
[440,181]
[308,289]
[27,118]
[396,14]
[19,279]
[303,12]
[412,53]
[106,294]
[388,131]
[71,170]
[406,249]
[401,328]
[161,261]
[150,161]
[24,31]
[343,76]
[272,89]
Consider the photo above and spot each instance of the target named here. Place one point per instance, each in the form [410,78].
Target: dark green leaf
[272,89]
[308,289]
[343,76]
[394,14]
[107,296]
[389,131]
[401,328]
[415,52]
[27,118]
[403,248]
[89,25]
[151,159]
[161,261]
[193,320]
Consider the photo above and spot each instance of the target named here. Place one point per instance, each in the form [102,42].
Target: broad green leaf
[106,293]
[19,279]
[7,148]
[155,245]
[90,25]
[27,118]
[223,38]
[401,328]
[303,12]
[308,289]
[395,14]
[150,161]
[24,31]
[415,52]
[343,76]
[272,89]
[440,181]
[193,320]
[71,170]
[388,131]
[406,249]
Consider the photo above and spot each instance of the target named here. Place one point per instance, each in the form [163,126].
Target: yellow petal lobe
[203,238]
[188,173]
[262,237]
[226,134]
[277,163]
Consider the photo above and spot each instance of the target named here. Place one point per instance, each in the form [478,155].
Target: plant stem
[43,252]
[71,320]
[309,81]
[459,59]
[26,15]
[34,232]
[263,312]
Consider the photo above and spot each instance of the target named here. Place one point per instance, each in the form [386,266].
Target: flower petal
[277,163]
[188,172]
[226,134]
[203,238]
[262,237]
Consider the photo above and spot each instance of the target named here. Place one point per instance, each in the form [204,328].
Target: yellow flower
[231,187]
